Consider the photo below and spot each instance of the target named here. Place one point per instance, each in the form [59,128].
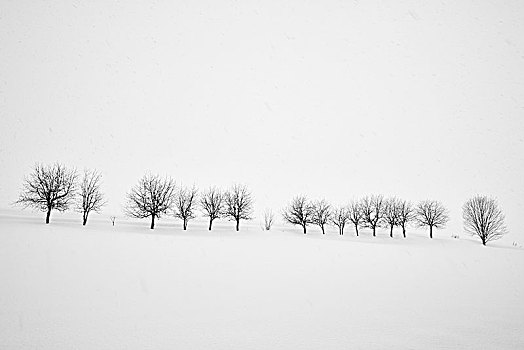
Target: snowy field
[65,286]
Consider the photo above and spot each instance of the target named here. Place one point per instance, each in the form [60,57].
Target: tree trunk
[210,224]
[391,231]
[84,221]
[304,227]
[185,224]
[323,232]
[430,231]
[48,215]
[404,231]
[356,229]
[152,221]
[238,224]
[374,228]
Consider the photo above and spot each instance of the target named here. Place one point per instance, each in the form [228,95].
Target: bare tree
[49,187]
[112,218]
[431,213]
[339,218]
[483,218]
[373,211]
[406,214]
[185,202]
[355,214]
[212,204]
[91,198]
[238,204]
[299,212]
[321,214]
[151,197]
[391,214]
[268,219]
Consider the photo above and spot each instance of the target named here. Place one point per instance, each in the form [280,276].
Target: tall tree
[321,214]
[238,202]
[49,187]
[406,214]
[185,202]
[391,214]
[151,197]
[212,204]
[355,214]
[299,212]
[339,218]
[91,198]
[373,211]
[483,218]
[432,214]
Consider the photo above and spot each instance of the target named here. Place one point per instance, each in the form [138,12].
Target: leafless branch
[431,213]
[212,204]
[238,204]
[185,202]
[299,212]
[321,214]
[372,208]
[483,218]
[268,219]
[91,198]
[49,187]
[151,197]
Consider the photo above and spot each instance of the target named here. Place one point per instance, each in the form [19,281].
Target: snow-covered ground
[64,286]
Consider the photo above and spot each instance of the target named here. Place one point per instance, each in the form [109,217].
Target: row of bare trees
[56,187]
[154,196]
[482,217]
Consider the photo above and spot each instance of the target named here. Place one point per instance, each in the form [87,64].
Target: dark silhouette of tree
[299,212]
[406,214]
[339,218]
[372,211]
[49,187]
[238,204]
[391,214]
[212,204]
[431,213]
[185,202]
[112,218]
[483,218]
[91,198]
[321,214]
[269,217]
[355,214]
[151,197]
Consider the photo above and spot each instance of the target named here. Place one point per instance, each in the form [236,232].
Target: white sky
[332,99]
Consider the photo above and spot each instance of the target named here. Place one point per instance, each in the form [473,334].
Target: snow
[126,287]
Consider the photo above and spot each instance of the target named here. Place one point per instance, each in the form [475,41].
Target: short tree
[372,211]
[339,218]
[355,214]
[238,204]
[49,187]
[406,214]
[483,218]
[212,204]
[269,217]
[185,203]
[112,218]
[151,197]
[391,214]
[91,198]
[321,214]
[432,214]
[299,212]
